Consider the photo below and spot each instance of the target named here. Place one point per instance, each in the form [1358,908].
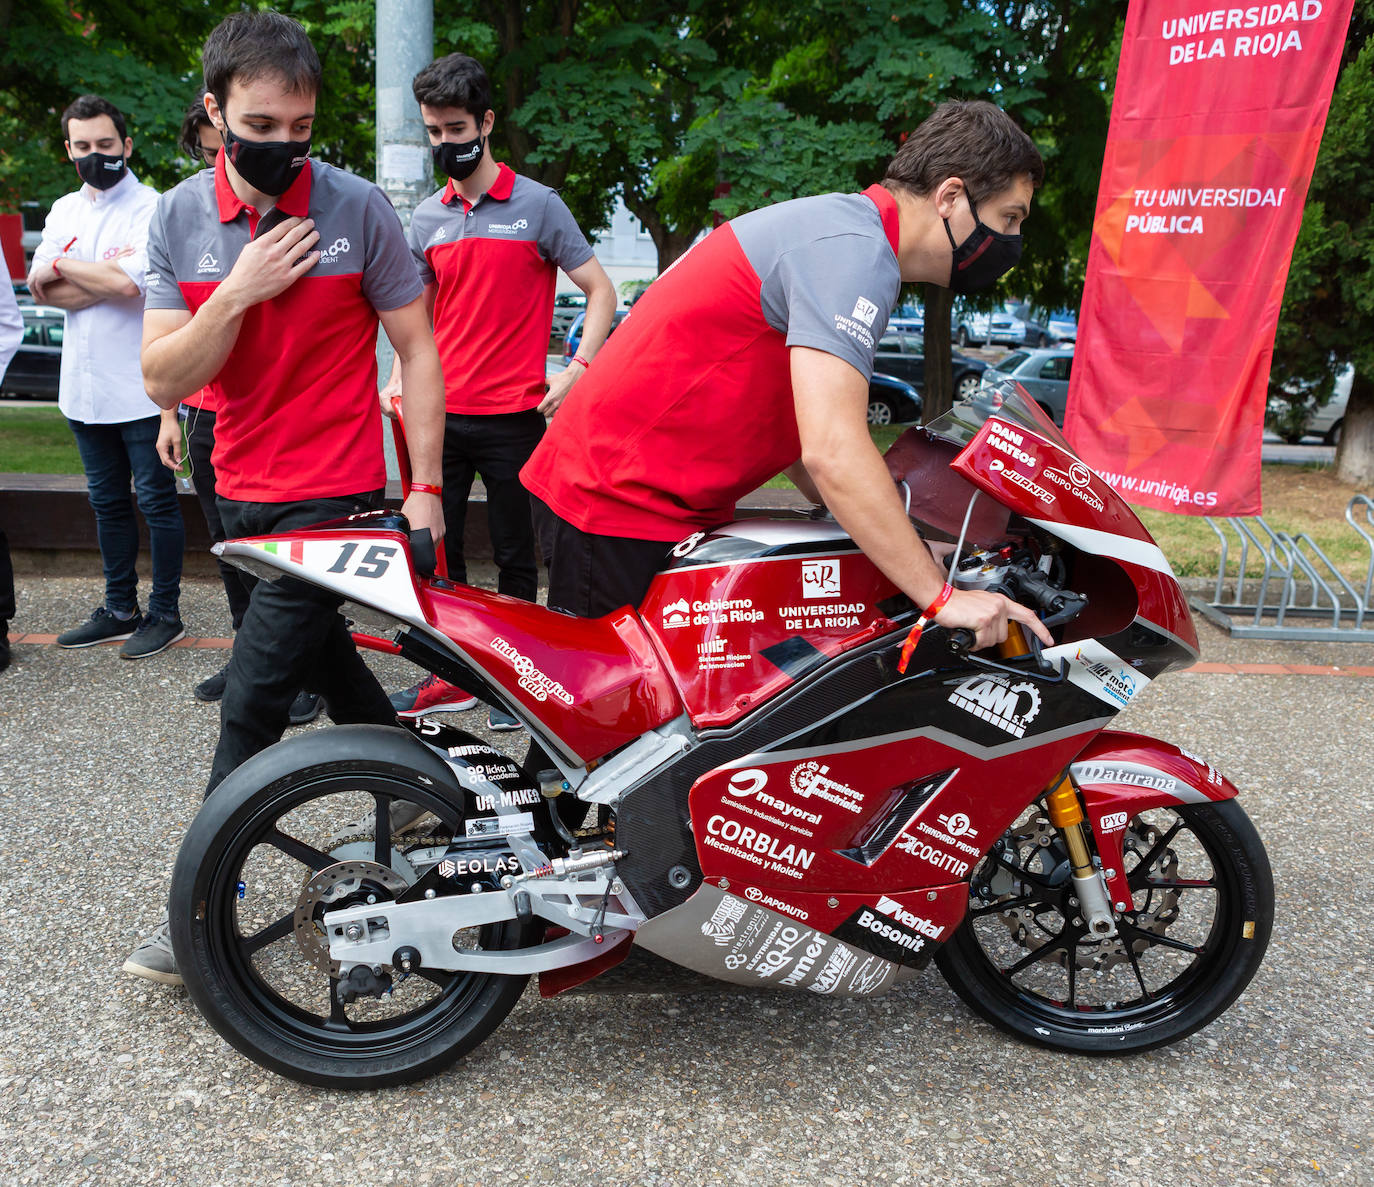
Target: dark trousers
[592,575]
[6,582]
[495,447]
[200,444]
[111,455]
[292,637]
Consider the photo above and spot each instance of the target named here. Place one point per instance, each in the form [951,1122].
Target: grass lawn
[1296,498]
[36,441]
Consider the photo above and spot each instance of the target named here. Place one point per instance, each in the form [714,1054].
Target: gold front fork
[1066,814]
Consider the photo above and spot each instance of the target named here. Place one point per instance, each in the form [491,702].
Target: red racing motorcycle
[792,786]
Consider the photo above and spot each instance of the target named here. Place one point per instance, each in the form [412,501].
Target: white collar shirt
[11,324]
[102,379]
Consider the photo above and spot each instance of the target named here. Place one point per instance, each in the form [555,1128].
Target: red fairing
[1121,775]
[1039,480]
[731,632]
[595,683]
[1161,601]
[812,821]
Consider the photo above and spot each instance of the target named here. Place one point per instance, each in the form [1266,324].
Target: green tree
[1327,321]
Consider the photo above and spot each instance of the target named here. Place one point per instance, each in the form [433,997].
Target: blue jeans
[111,455]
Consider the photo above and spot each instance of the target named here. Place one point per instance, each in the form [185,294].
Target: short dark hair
[972,140]
[454,80]
[88,107]
[246,46]
[192,122]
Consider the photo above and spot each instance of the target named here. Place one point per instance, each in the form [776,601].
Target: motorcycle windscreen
[939,495]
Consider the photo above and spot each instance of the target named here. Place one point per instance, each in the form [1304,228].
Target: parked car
[574,335]
[1063,325]
[1307,420]
[912,315]
[566,307]
[1043,373]
[1014,324]
[891,401]
[37,364]
[901,353]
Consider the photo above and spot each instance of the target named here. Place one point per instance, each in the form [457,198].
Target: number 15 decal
[374,561]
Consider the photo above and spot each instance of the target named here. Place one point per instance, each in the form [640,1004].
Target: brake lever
[960,644]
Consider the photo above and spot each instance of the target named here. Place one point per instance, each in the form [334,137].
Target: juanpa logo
[865,311]
[676,614]
[821,579]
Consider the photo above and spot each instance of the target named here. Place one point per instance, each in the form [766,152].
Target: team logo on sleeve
[208,263]
[865,311]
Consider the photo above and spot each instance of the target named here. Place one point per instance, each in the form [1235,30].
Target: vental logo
[1010,707]
[676,614]
[208,263]
[865,311]
[821,579]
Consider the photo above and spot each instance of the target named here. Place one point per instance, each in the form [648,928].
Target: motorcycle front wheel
[1201,913]
[303,828]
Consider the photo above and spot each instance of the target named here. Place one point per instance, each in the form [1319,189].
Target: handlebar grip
[422,552]
[961,640]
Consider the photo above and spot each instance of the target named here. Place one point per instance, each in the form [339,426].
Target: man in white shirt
[91,263]
[11,333]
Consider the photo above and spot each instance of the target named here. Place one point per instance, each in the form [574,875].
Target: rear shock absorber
[1066,814]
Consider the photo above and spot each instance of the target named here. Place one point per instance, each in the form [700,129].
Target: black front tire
[247,976]
[1051,989]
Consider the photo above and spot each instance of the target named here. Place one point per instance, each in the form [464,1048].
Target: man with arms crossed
[282,325]
[91,263]
[752,355]
[489,246]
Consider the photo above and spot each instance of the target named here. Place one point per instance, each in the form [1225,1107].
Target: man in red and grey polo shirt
[752,355]
[281,323]
[489,246]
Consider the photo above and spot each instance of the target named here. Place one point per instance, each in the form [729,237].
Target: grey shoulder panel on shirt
[828,275]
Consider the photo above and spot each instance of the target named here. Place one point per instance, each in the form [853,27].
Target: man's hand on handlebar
[425,511]
[986,615]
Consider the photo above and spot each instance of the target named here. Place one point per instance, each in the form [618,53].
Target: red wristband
[426,488]
[577,358]
[914,636]
[939,603]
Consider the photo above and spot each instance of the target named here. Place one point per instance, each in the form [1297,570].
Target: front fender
[1121,775]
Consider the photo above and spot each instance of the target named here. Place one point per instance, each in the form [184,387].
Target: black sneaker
[155,633]
[101,627]
[501,722]
[305,708]
[212,687]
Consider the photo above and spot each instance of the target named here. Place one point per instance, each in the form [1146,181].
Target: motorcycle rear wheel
[1203,908]
[256,847]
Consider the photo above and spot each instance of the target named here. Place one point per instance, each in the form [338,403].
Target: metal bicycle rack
[1298,581]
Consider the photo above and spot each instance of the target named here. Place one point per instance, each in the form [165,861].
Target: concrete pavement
[106,1079]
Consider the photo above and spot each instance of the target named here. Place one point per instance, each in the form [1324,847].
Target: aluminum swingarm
[580,893]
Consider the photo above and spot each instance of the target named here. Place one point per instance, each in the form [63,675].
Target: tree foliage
[1327,319]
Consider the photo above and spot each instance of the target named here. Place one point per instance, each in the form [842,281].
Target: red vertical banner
[1215,126]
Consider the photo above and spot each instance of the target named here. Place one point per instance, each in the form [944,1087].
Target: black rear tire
[1037,992]
[251,981]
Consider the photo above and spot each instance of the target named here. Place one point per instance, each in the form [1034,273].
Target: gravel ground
[107,1079]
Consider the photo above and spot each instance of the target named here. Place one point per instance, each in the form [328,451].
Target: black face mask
[983,258]
[101,170]
[458,161]
[269,166]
